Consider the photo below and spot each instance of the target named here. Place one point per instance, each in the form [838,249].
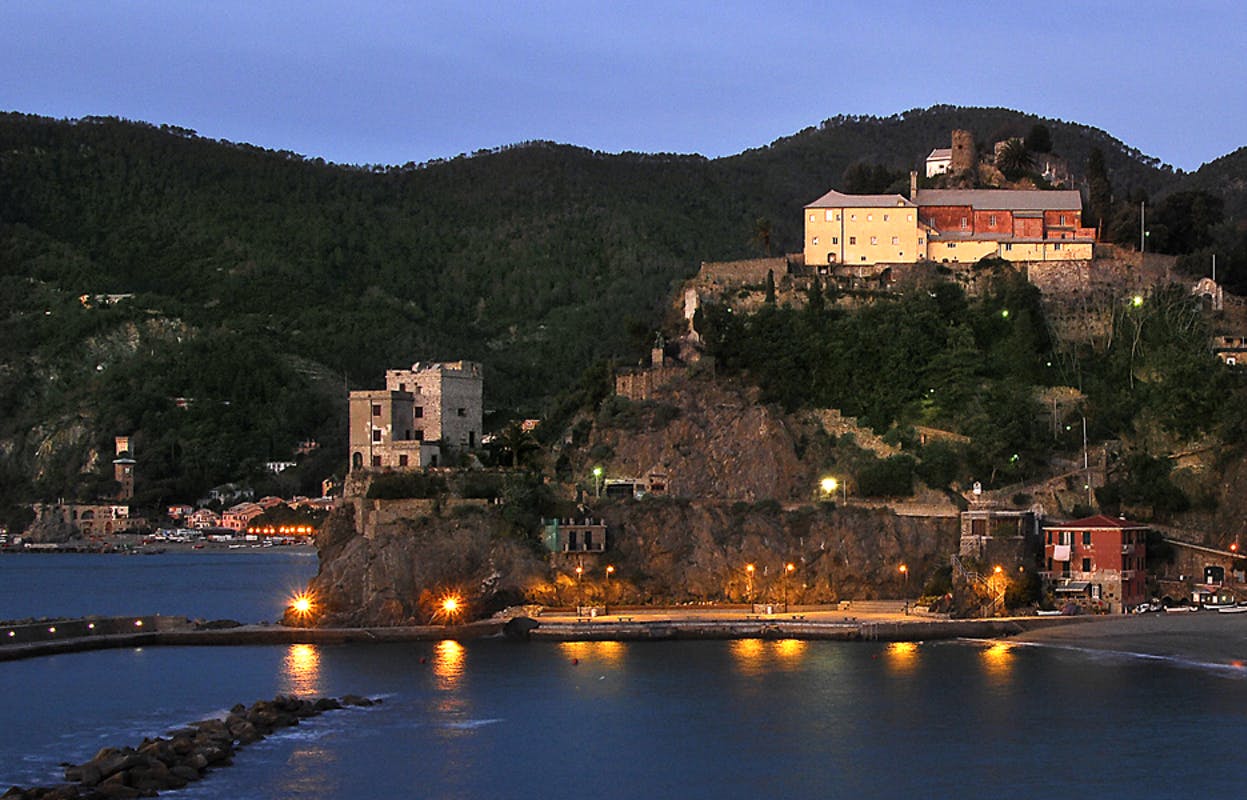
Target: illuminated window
[831,215]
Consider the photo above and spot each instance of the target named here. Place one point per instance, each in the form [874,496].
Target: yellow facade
[862,229]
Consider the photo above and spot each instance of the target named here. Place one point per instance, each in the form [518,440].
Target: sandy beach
[1205,637]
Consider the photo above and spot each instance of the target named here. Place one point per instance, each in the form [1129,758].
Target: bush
[406,486]
[889,477]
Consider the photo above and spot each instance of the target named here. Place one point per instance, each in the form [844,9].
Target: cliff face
[711,438]
[663,551]
[741,479]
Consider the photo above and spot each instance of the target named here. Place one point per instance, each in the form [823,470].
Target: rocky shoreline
[183,755]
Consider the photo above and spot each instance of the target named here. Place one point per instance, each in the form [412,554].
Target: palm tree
[517,442]
[1014,160]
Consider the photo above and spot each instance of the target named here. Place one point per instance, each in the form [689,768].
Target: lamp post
[597,481]
[829,485]
[749,568]
[580,597]
[788,570]
[904,570]
[610,570]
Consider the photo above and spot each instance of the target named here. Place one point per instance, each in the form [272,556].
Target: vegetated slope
[536,259]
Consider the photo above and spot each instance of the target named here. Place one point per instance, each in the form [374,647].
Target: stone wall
[752,271]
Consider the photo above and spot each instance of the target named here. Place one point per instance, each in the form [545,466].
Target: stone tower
[964,156]
[123,468]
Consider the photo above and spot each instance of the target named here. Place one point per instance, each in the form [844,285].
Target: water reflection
[756,656]
[901,657]
[448,657]
[998,661]
[301,670]
[608,653]
[307,774]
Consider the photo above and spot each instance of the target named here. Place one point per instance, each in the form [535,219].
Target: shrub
[889,477]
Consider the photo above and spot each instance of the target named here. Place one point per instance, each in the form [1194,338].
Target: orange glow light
[302,605]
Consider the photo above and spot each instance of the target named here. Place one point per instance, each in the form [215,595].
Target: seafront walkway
[876,621]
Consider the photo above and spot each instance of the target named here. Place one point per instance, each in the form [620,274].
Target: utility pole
[1143,226]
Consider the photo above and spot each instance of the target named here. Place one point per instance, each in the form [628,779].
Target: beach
[1205,637]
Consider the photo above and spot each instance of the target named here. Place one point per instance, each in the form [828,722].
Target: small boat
[1178,609]
[1232,610]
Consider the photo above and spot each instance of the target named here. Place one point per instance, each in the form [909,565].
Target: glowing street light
[829,485]
[597,481]
[580,597]
[610,570]
[301,604]
[789,568]
[749,568]
[904,570]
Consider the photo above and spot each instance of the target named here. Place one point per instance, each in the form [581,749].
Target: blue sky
[390,82]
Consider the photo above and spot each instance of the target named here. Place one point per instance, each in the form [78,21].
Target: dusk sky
[392,82]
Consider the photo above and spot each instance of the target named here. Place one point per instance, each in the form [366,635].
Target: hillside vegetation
[264,283]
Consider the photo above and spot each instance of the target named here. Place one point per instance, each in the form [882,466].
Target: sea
[700,719]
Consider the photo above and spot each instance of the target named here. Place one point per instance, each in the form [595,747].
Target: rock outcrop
[183,755]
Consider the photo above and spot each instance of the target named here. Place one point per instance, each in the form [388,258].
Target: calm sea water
[747,719]
[245,586]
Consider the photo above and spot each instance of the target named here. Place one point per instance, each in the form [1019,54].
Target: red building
[1098,562]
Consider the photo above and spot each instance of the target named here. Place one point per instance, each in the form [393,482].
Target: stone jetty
[182,755]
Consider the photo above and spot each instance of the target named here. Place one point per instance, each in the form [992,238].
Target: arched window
[357,461]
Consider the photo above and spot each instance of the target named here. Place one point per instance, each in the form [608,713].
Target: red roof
[1098,522]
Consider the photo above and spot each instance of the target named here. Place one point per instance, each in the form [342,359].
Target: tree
[1039,140]
[1014,160]
[770,287]
[762,233]
[1099,190]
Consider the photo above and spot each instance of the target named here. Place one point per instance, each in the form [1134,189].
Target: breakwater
[183,755]
[70,636]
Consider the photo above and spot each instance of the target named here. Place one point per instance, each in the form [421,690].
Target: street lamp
[904,570]
[788,570]
[597,481]
[749,568]
[580,596]
[610,570]
[829,485]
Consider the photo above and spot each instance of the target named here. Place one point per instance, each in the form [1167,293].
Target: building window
[964,223]
[896,240]
[376,434]
[376,409]
[376,461]
[885,217]
[852,240]
[463,412]
[852,217]
[419,435]
[920,241]
[418,412]
[837,216]
[814,241]
[1086,565]
[402,460]
[870,217]
[831,215]
[1086,538]
[828,216]
[1008,247]
[1056,246]
[874,240]
[402,387]
[991,220]
[952,245]
[835,240]
[909,217]
[1062,219]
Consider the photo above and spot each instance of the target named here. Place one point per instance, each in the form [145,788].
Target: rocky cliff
[741,491]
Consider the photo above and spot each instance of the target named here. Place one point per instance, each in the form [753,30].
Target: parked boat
[1232,610]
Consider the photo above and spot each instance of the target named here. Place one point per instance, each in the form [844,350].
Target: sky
[369,82]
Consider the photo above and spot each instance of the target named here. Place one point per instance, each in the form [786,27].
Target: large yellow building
[946,225]
[862,229]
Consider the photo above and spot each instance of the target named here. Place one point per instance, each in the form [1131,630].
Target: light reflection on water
[901,657]
[301,670]
[608,653]
[757,656]
[998,662]
[309,773]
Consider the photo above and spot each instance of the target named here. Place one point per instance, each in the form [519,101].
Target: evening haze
[390,83]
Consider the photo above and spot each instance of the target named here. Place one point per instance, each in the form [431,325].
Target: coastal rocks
[399,575]
[184,755]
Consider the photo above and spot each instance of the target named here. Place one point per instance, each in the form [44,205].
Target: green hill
[264,282]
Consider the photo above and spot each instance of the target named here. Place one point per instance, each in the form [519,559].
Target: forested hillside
[264,283]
